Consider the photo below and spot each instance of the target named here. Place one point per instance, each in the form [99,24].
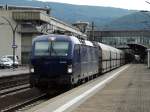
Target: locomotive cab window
[59,48]
[41,49]
[54,48]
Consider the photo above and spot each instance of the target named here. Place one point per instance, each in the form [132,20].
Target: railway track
[18,97]
[6,92]
[10,88]
[13,81]
[24,99]
[24,96]
[15,93]
[18,105]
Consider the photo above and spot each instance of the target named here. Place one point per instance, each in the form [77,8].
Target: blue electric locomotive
[63,60]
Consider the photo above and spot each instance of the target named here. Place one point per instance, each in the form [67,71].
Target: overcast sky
[127,4]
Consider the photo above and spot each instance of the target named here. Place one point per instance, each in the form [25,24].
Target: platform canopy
[139,49]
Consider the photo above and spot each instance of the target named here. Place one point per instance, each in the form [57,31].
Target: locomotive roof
[74,39]
[77,41]
[46,37]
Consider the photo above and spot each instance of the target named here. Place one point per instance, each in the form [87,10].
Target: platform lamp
[14,46]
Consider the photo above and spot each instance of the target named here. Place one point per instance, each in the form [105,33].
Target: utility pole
[93,31]
[148,50]
[148,59]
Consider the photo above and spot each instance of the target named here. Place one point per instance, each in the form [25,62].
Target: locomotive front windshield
[53,48]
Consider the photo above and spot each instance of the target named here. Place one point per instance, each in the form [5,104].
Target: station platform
[13,72]
[129,92]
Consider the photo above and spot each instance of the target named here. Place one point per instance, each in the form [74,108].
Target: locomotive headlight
[32,70]
[69,70]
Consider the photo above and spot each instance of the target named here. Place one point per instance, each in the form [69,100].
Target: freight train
[66,60]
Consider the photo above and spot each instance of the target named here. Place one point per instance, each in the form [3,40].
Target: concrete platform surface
[129,92]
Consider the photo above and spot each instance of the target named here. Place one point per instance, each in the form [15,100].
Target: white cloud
[127,4]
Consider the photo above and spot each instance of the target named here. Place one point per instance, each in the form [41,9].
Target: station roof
[138,49]
[30,15]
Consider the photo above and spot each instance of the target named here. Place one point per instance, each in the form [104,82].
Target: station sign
[14,46]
